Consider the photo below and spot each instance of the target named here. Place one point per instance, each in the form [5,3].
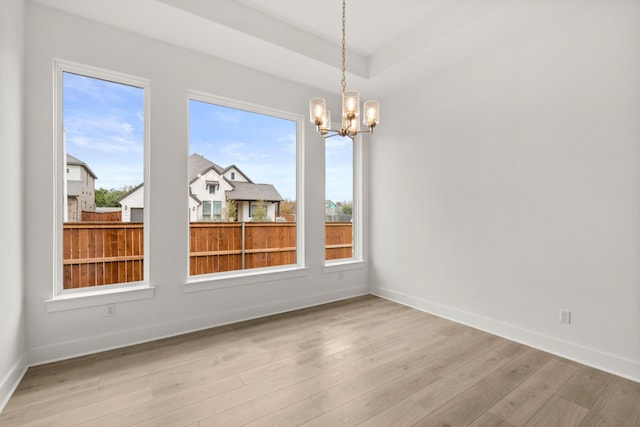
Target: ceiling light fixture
[350,127]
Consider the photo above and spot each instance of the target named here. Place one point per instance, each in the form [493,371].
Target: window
[217,210]
[246,231]
[100,144]
[212,189]
[339,198]
[206,209]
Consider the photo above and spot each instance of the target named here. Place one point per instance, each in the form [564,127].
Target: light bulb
[317,108]
[372,113]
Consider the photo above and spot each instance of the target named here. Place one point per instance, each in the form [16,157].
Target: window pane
[206,208]
[338,198]
[250,158]
[103,161]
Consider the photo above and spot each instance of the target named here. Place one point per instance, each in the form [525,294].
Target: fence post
[243,245]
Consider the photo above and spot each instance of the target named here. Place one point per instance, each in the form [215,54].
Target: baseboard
[89,345]
[11,380]
[587,356]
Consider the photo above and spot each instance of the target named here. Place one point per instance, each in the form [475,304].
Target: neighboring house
[132,204]
[79,189]
[210,188]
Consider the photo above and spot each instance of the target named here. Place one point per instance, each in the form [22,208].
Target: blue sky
[104,128]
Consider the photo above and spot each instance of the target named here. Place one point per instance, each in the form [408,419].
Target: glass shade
[326,122]
[351,109]
[371,115]
[317,110]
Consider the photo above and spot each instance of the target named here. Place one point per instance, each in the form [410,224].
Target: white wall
[526,195]
[13,358]
[172,72]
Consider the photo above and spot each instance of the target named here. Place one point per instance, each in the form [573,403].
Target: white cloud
[235,151]
[225,117]
[289,140]
[103,134]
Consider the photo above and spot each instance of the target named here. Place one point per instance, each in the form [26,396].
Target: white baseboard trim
[11,380]
[587,356]
[89,345]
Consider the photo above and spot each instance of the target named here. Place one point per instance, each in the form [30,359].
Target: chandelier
[350,125]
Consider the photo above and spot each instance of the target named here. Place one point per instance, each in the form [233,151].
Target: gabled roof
[76,161]
[239,171]
[251,191]
[194,197]
[198,166]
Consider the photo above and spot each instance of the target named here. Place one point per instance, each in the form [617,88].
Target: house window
[263,144]
[101,140]
[217,210]
[206,210]
[340,221]
[212,189]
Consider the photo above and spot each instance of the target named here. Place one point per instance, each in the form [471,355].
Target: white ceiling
[390,43]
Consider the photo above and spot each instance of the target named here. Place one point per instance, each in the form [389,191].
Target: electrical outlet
[565,316]
[111,310]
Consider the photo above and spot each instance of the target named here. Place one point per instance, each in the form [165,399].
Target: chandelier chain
[344,49]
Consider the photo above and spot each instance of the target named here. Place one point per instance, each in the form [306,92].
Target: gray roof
[76,161]
[251,191]
[198,165]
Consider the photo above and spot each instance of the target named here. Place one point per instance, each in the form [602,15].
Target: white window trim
[66,299]
[203,282]
[228,279]
[357,260]
[111,294]
[345,264]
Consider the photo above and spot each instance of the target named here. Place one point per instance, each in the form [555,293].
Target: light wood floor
[363,361]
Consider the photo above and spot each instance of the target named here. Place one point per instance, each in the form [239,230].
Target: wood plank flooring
[363,361]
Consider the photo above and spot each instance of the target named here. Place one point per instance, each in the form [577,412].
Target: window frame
[226,279]
[357,259]
[64,299]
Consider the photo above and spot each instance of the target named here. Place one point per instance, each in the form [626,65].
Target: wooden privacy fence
[101,216]
[102,253]
[338,240]
[217,247]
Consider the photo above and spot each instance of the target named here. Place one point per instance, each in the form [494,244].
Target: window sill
[242,277]
[76,300]
[343,265]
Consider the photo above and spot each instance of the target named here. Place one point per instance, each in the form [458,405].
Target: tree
[347,208]
[109,198]
[230,211]
[260,212]
[288,207]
